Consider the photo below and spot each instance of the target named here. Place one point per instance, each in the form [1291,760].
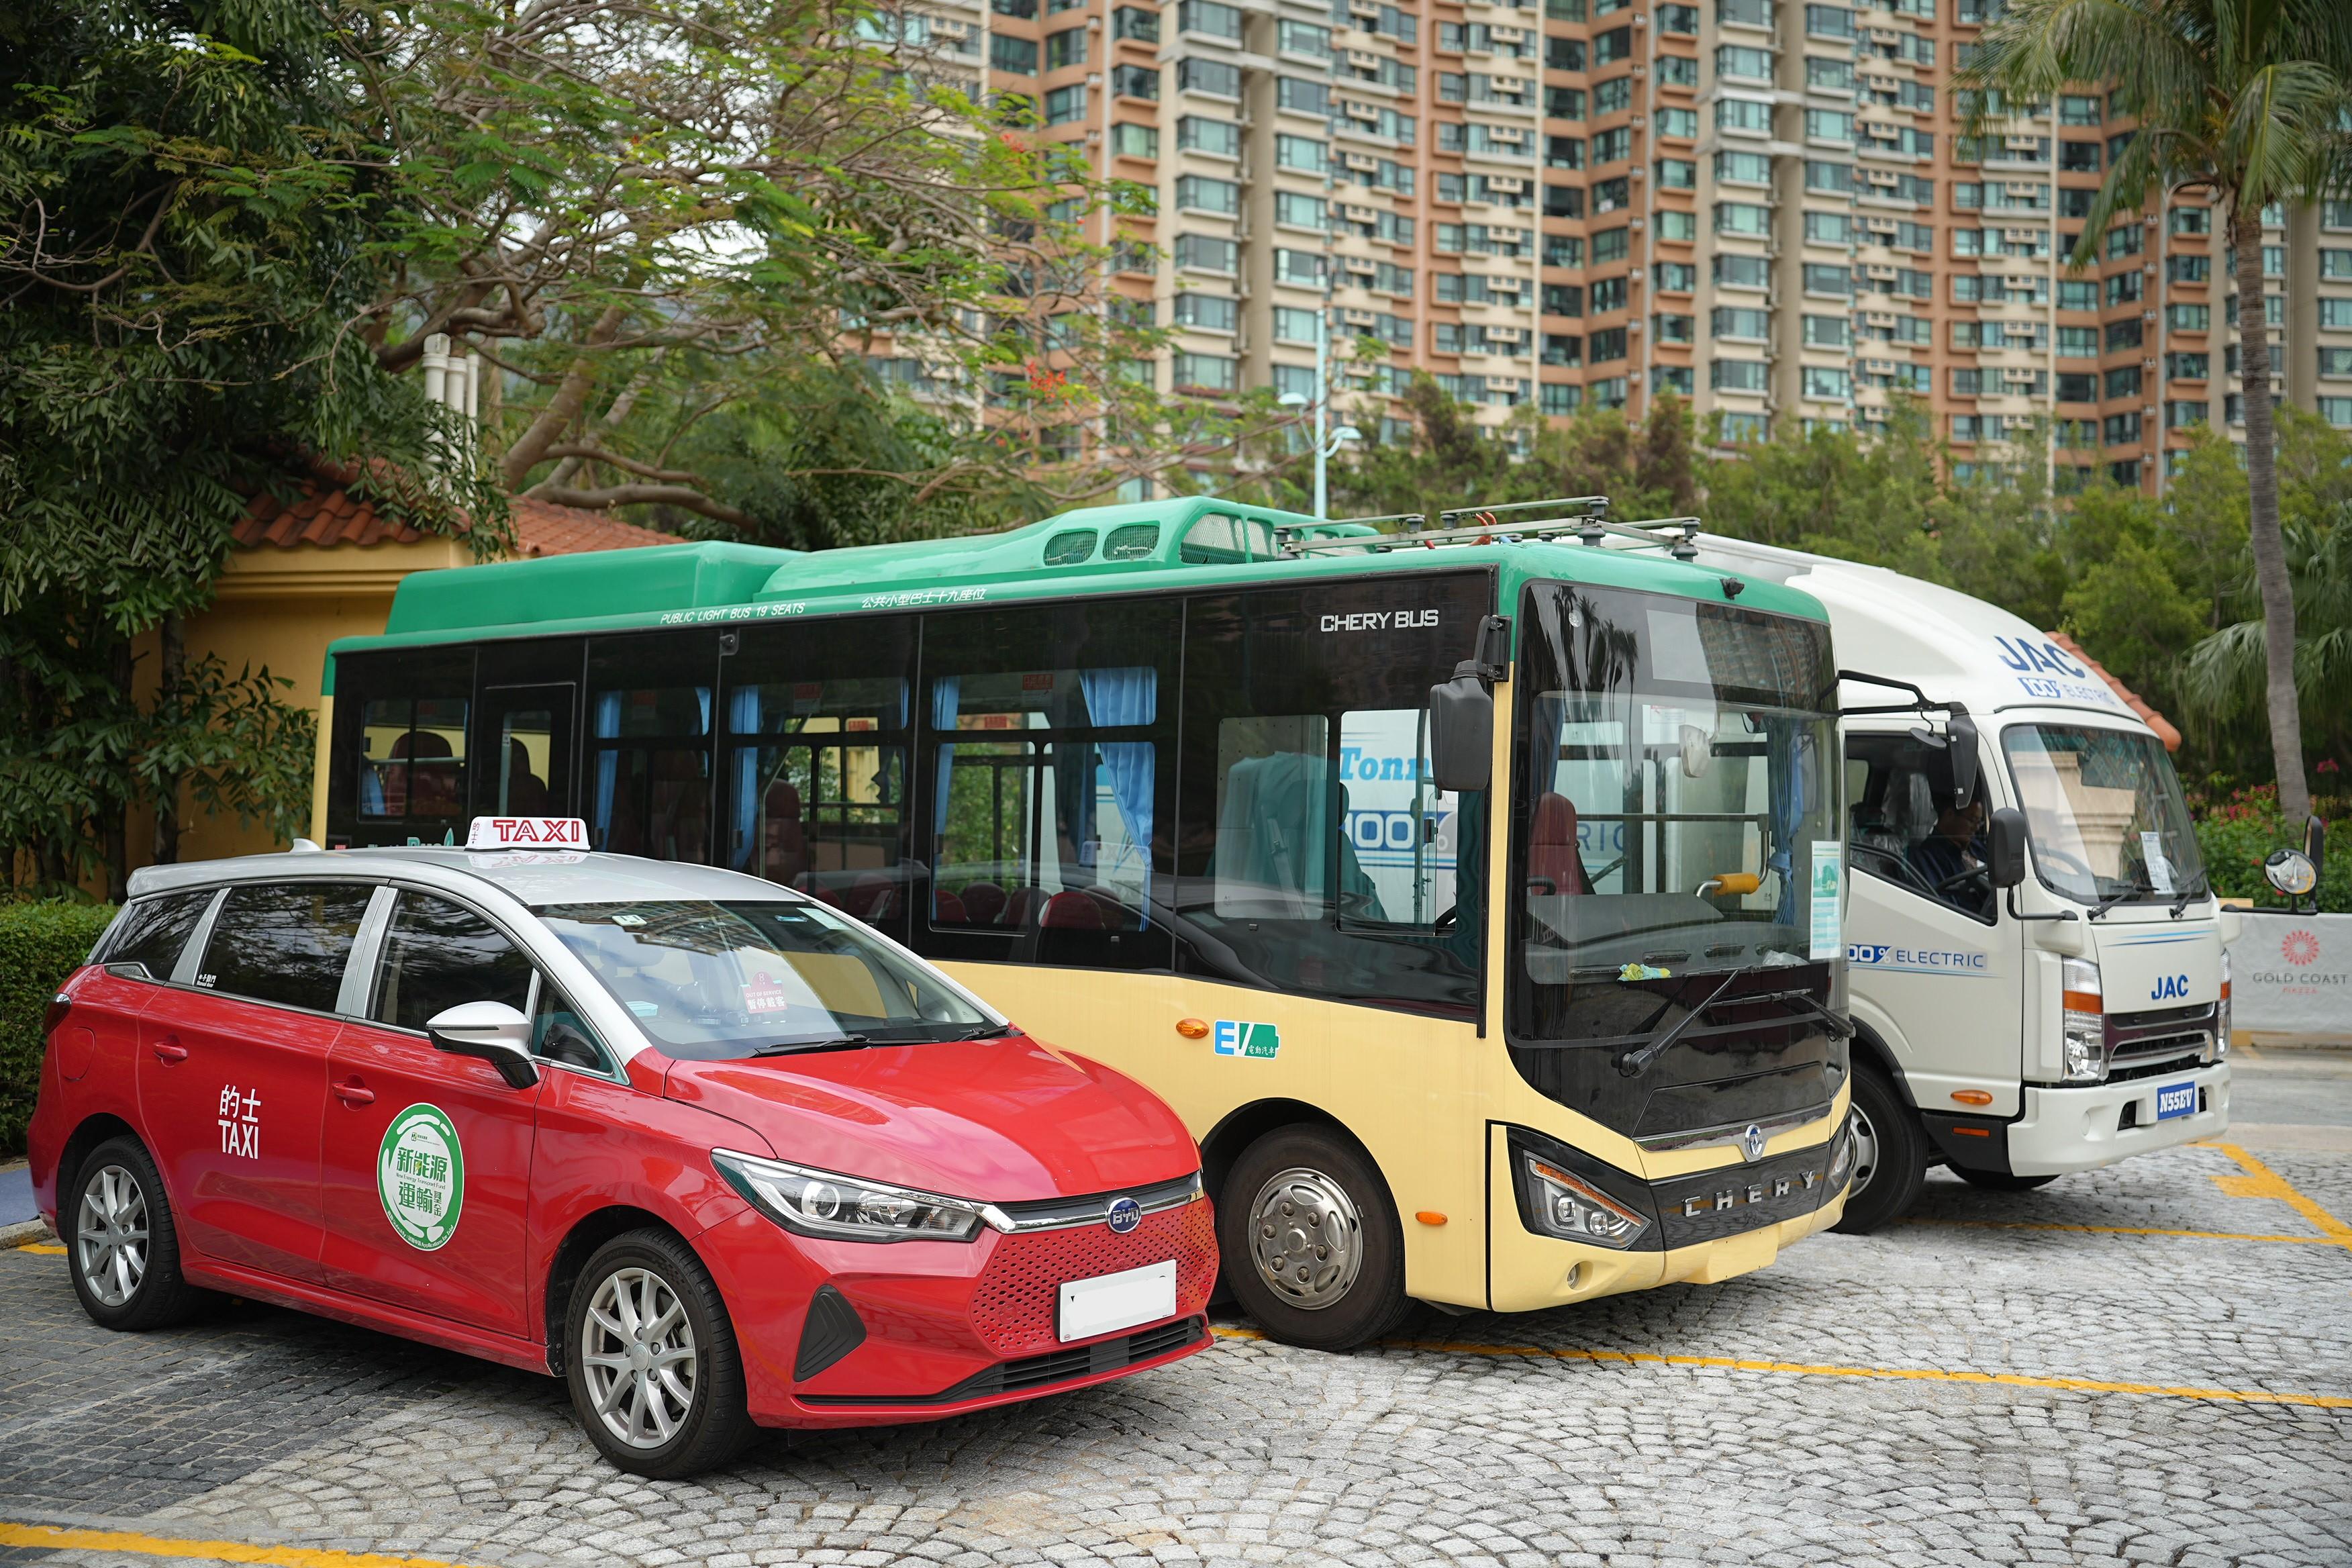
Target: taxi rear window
[152,932]
[712,981]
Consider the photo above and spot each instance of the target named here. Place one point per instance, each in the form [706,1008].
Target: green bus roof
[1132,547]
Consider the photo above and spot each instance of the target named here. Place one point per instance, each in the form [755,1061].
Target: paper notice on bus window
[2160,870]
[1829,869]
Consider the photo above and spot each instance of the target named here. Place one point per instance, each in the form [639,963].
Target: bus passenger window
[649,753]
[397,772]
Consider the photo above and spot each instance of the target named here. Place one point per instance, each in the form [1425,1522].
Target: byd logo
[2170,988]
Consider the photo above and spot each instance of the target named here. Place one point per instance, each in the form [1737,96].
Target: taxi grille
[1014,1304]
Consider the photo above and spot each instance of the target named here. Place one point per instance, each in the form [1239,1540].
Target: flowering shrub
[2238,831]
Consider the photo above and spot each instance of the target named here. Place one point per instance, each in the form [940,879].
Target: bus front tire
[1312,1249]
[1890,1163]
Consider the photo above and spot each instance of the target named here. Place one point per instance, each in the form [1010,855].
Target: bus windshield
[2104,811]
[1679,815]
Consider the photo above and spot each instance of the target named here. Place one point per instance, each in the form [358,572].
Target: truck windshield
[1677,787]
[2104,811]
[712,982]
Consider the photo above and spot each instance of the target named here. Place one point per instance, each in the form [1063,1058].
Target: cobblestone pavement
[1564,1438]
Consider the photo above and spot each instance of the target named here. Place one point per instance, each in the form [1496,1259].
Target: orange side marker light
[1973,1096]
[1430,1216]
[1192,1029]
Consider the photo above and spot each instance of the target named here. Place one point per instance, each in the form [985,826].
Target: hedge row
[40,944]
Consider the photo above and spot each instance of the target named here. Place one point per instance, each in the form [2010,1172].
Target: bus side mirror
[1462,734]
[2005,846]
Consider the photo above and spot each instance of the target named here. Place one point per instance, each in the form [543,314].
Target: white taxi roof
[529,877]
[1953,646]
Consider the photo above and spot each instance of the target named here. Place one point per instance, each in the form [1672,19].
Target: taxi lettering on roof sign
[531,832]
[483,1098]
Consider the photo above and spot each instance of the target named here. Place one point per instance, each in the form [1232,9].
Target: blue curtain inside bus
[1791,753]
[945,693]
[1127,695]
[608,761]
[743,719]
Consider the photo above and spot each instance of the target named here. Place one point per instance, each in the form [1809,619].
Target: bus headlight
[1573,1209]
[1842,1155]
[2084,1021]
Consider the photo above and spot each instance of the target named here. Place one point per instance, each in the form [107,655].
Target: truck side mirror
[1961,735]
[1462,734]
[498,1034]
[2314,845]
[2005,846]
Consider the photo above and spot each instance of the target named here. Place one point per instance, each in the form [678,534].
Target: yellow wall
[279,607]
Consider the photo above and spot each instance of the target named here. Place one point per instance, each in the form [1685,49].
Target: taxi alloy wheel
[1311,1246]
[650,1355]
[121,1244]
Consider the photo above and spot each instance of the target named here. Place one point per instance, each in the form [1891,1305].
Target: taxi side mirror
[2005,846]
[498,1034]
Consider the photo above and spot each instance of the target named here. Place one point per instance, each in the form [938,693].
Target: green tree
[2244,99]
[187,217]
[1830,492]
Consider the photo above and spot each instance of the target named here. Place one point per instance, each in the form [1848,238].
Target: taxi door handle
[354,1093]
[168,1051]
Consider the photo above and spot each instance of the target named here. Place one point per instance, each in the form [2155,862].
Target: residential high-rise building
[1765,206]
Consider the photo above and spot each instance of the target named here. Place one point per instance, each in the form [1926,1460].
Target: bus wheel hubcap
[637,1351]
[1865,1152]
[110,1235]
[1307,1238]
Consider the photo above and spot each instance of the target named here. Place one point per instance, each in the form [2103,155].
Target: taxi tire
[1376,1302]
[162,1298]
[1901,1166]
[2001,1181]
[719,1424]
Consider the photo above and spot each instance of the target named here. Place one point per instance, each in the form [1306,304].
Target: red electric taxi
[712,1151]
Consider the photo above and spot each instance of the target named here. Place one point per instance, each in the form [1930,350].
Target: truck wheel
[2002,1182]
[656,1376]
[1890,1155]
[122,1247]
[1311,1246]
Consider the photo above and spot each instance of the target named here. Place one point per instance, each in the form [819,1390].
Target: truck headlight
[2084,1021]
[845,1208]
[1573,1209]
[2221,1046]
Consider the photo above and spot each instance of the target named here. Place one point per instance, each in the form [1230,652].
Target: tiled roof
[327,515]
[2154,720]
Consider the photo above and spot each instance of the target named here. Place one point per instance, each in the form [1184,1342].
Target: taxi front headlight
[845,1208]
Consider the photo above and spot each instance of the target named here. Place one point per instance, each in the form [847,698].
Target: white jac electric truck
[2036,965]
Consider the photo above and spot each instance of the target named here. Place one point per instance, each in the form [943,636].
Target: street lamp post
[1327,440]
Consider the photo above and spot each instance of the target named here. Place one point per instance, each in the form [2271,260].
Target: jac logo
[2027,658]
[2300,948]
[2170,988]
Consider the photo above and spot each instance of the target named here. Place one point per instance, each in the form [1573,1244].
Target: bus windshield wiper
[1634,1062]
[789,1048]
[2190,894]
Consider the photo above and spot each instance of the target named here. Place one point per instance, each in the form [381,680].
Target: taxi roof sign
[527,832]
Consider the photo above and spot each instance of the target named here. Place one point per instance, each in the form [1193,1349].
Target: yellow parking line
[54,1538]
[2261,1182]
[2119,1230]
[45,1248]
[1897,1374]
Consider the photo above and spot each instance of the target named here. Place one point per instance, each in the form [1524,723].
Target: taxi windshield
[2104,810]
[711,981]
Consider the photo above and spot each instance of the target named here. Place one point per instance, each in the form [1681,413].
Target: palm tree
[2244,99]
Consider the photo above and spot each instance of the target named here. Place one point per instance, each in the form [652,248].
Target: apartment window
[1828,229]
[1827,331]
[2078,157]
[2180,414]
[1736,375]
[2333,313]
[1608,344]
[1211,312]
[2078,342]
[2334,362]
[1301,268]
[1209,17]
[1674,378]
[1828,279]
[1744,168]
[1739,322]
[1017,56]
[1067,105]
[1673,225]
[2074,201]
[1741,271]
[1612,196]
[1829,125]
[1563,250]
[2121,429]
[1215,76]
[1673,276]
[1135,81]
[1676,175]
[1608,294]
[2194,367]
[1302,39]
[1968,428]
[1563,350]
[1067,47]
[1742,217]
[1829,22]
[1563,201]
[1681,124]
[1678,70]
[1615,45]
[1612,147]
[2197,220]
[1563,152]
[1563,299]
[1827,75]
[1683,19]
[1743,114]
[1206,253]
[2122,240]
[1221,138]
[1299,95]
[1559,54]
[2123,335]
[2077,386]
[2198,268]
[1559,103]
[1204,192]
[2189,318]
[1135,22]
[2123,380]
[2335,264]
[2077,108]
[1837,178]
[2123,287]
[1560,401]
[2078,294]
[1205,373]
[1298,210]
[1740,61]
[2337,411]
[1968,380]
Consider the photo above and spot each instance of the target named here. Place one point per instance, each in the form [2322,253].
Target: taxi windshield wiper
[979,1032]
[788,1047]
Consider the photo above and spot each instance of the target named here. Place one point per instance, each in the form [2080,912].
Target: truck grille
[2142,1045]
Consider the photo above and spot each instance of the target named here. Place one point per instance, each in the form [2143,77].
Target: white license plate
[2176,1099]
[1108,1302]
